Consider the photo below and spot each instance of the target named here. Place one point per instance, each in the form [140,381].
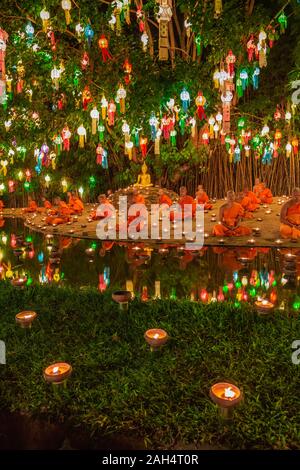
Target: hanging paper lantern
[95,119]
[45,15]
[288,149]
[282,20]
[173,134]
[47,181]
[205,137]
[121,94]
[277,114]
[244,77]
[211,123]
[86,97]
[104,105]
[29,30]
[66,6]
[157,142]
[64,184]
[295,144]
[145,39]
[127,66]
[251,48]
[216,79]
[81,131]
[218,8]
[262,49]
[221,296]
[89,34]
[198,42]
[185,99]
[66,136]
[278,136]
[230,61]
[11,186]
[288,117]
[204,295]
[85,61]
[101,130]
[200,102]
[143,146]
[153,121]
[55,76]
[103,44]
[128,149]
[111,113]
[79,30]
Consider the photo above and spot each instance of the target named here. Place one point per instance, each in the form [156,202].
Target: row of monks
[232,212]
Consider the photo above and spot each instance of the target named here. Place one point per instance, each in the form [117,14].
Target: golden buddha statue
[144,178]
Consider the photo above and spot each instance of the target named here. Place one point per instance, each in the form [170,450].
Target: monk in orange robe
[265,196]
[102,199]
[290,217]
[46,205]
[230,215]
[245,202]
[258,187]
[202,198]
[253,200]
[183,201]
[78,206]
[138,198]
[60,214]
[164,198]
[32,206]
[1,205]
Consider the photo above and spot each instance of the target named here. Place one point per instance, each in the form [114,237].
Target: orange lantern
[103,44]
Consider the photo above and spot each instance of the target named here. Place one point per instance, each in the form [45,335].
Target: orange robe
[138,199]
[77,205]
[62,215]
[266,196]
[46,207]
[204,199]
[164,199]
[253,201]
[1,205]
[231,215]
[184,201]
[246,203]
[32,207]
[293,216]
[107,213]
[257,189]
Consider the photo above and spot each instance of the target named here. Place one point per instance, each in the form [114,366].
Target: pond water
[214,273]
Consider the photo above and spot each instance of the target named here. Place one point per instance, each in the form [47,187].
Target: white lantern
[67,5]
[45,15]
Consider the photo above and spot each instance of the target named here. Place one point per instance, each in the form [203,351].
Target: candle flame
[156,336]
[229,393]
[55,370]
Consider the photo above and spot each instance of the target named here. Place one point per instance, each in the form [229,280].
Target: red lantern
[111,110]
[273,296]
[103,44]
[86,97]
[143,146]
[230,61]
[127,66]
[85,61]
[204,295]
[66,135]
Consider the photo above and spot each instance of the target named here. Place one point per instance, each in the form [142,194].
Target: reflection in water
[151,271]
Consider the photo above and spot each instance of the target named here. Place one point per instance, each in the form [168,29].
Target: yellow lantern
[45,15]
[47,181]
[121,94]
[64,184]
[95,119]
[104,105]
[128,149]
[67,5]
[81,131]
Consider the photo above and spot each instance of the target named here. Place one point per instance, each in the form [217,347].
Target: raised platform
[268,223]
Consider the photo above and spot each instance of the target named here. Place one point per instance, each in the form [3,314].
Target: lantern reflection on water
[226,396]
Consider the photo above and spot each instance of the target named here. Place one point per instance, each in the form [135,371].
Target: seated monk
[265,196]
[184,200]
[253,200]
[59,215]
[258,187]
[138,198]
[202,198]
[244,201]
[163,198]
[96,214]
[32,205]
[290,217]
[75,203]
[46,205]
[230,216]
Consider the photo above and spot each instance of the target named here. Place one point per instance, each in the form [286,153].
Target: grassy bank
[118,386]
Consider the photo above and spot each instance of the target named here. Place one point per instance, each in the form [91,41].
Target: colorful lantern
[103,44]
[66,6]
[200,103]
[45,15]
[89,34]
[95,119]
[121,94]
[81,131]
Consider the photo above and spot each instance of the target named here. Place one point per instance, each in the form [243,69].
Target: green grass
[119,386]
